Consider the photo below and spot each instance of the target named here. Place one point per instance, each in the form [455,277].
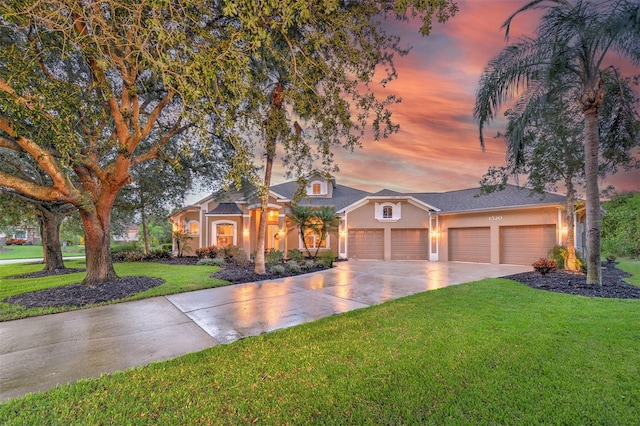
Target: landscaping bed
[78,295]
[561,281]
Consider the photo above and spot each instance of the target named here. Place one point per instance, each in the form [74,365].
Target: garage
[409,244]
[366,244]
[523,245]
[470,244]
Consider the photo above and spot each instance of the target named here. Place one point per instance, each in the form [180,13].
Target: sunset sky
[437,147]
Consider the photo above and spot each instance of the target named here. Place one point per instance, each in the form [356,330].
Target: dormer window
[387,212]
[317,187]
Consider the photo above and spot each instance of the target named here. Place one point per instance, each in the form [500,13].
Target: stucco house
[510,226]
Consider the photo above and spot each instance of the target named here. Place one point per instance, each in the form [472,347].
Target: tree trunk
[276,106]
[570,263]
[143,219]
[50,232]
[591,141]
[260,267]
[97,230]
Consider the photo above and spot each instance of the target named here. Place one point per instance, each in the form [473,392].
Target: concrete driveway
[39,353]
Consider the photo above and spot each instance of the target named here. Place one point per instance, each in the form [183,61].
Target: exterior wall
[364,217]
[495,220]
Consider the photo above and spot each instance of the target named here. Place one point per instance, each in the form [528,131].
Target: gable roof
[342,196]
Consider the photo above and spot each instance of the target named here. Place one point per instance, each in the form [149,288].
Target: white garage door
[409,244]
[366,244]
[470,244]
[523,245]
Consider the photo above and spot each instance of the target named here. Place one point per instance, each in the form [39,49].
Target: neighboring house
[510,226]
[128,235]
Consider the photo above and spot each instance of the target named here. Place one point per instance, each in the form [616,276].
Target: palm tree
[302,218]
[325,221]
[567,53]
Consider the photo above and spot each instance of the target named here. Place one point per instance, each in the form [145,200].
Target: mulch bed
[78,295]
[237,274]
[613,284]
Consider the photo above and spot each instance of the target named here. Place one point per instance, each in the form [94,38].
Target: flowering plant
[544,265]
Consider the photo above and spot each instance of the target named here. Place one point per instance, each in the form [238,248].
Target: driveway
[39,353]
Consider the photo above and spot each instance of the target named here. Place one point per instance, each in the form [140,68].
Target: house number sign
[495,217]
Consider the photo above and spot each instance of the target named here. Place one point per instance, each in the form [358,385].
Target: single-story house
[511,226]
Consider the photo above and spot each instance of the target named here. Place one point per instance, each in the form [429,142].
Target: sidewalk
[39,353]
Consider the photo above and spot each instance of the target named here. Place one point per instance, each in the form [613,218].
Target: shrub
[327,257]
[544,265]
[15,241]
[293,266]
[307,265]
[233,254]
[273,256]
[277,269]
[559,255]
[167,246]
[611,257]
[210,252]
[295,255]
[320,264]
[217,261]
[160,253]
[123,247]
[128,256]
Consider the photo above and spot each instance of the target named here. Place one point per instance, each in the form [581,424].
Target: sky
[437,148]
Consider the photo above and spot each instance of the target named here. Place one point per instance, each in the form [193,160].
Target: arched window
[194,227]
[387,212]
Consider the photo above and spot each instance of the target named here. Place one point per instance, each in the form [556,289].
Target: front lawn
[35,252]
[489,352]
[178,279]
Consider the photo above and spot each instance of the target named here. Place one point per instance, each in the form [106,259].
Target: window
[317,187]
[387,212]
[224,234]
[312,240]
[194,227]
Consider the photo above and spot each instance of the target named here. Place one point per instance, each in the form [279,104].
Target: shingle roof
[225,209]
[342,195]
[470,199]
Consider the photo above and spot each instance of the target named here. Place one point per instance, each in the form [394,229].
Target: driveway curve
[39,353]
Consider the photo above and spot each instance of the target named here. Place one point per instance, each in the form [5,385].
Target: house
[510,226]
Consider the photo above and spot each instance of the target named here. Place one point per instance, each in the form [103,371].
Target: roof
[342,196]
[225,209]
[466,200]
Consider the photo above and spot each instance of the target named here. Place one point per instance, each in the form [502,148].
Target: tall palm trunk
[591,141]
[571,263]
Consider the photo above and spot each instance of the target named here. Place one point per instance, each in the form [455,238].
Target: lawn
[489,352]
[178,279]
[35,252]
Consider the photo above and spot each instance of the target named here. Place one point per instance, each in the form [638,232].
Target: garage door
[366,244]
[470,244]
[523,245]
[409,244]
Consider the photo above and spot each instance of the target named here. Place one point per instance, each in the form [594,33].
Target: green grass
[35,252]
[631,266]
[489,352]
[178,279]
